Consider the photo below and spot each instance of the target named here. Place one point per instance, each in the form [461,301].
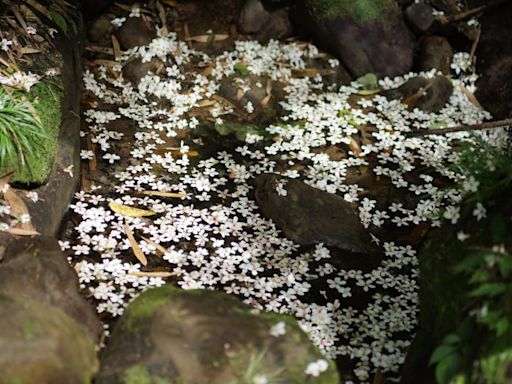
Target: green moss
[13,380]
[146,304]
[46,98]
[495,368]
[136,374]
[359,11]
[30,330]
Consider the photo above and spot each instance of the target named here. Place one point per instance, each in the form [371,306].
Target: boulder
[135,32]
[309,215]
[135,69]
[494,62]
[263,24]
[420,17]
[430,95]
[43,345]
[100,28]
[168,335]
[368,37]
[435,52]
[36,269]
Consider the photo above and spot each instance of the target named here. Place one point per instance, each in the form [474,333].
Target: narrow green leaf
[447,368]
[490,289]
[440,353]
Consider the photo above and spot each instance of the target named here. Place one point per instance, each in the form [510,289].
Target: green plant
[29,127]
[479,348]
[21,129]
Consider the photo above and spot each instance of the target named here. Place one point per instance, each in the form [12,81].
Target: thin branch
[461,128]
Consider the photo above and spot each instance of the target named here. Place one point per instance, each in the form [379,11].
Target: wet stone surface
[173,335]
[309,216]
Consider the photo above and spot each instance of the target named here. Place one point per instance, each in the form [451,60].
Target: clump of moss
[29,147]
[145,305]
[359,11]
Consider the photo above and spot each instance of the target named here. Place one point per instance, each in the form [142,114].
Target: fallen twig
[461,128]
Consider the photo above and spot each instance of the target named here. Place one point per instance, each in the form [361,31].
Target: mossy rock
[367,36]
[168,335]
[360,11]
[41,344]
[45,97]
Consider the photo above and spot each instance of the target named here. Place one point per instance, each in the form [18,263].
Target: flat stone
[308,215]
[36,269]
[172,335]
[43,345]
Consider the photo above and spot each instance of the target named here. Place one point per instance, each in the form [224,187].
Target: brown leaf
[170,3]
[354,146]
[135,246]
[18,208]
[207,38]
[28,50]
[162,15]
[158,247]
[151,274]
[116,47]
[126,210]
[164,194]
[22,232]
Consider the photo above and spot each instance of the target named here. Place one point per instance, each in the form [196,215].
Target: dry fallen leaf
[116,47]
[18,208]
[135,246]
[126,210]
[164,194]
[207,38]
[158,247]
[151,274]
[354,146]
[22,232]
[170,3]
[189,153]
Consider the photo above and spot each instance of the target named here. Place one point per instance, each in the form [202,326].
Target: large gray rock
[168,335]
[309,215]
[366,36]
[41,344]
[36,269]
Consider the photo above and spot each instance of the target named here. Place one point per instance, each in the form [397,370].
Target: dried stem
[461,128]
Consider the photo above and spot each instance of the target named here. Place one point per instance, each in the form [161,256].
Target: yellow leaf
[164,194]
[158,247]
[135,246]
[207,38]
[125,210]
[151,274]
[368,92]
[170,3]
